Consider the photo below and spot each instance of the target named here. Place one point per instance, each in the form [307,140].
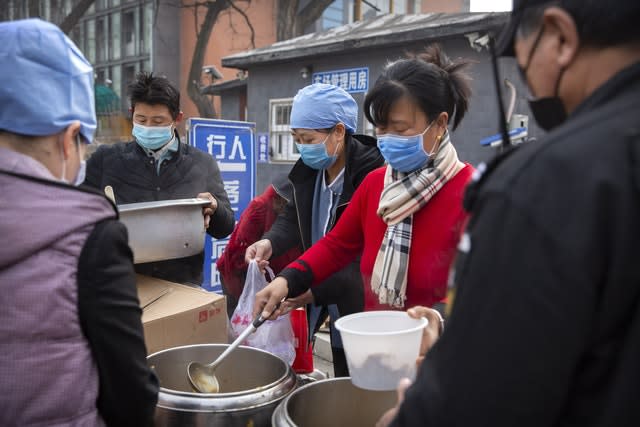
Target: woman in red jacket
[405,219]
[256,219]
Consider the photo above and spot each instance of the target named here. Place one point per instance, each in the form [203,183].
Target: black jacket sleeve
[94,170]
[343,288]
[515,334]
[223,219]
[285,231]
[110,318]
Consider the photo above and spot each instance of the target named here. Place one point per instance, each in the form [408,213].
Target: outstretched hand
[261,251]
[267,299]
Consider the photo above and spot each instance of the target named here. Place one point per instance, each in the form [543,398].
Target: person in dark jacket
[545,325]
[255,220]
[333,162]
[73,351]
[156,165]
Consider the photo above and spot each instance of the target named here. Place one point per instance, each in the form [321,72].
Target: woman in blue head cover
[333,162]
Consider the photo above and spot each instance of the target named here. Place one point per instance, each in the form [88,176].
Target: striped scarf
[403,195]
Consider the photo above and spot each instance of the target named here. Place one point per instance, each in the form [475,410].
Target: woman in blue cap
[333,162]
[73,351]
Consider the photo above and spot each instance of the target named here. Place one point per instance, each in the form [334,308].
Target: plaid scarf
[402,195]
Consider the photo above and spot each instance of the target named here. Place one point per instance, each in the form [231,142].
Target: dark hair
[599,23]
[154,90]
[430,78]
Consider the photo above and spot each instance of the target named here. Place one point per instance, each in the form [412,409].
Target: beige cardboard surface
[175,315]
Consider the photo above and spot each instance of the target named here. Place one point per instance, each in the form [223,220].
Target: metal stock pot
[332,402]
[166,229]
[252,383]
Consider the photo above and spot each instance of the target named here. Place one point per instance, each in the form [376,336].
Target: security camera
[477,41]
[212,71]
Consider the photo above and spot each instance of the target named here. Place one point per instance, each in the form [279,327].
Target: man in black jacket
[158,166]
[333,163]
[545,327]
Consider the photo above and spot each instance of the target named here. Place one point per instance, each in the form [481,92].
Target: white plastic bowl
[381,347]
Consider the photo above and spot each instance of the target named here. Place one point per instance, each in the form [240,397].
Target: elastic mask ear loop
[64,163]
[534,47]
[557,88]
[335,151]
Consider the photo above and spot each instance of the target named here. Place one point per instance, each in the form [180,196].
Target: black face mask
[548,111]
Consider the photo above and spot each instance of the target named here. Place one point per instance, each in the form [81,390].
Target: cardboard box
[175,315]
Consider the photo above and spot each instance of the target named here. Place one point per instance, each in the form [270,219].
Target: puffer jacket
[73,350]
[134,178]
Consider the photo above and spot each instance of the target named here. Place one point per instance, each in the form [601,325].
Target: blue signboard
[353,80]
[263,148]
[232,144]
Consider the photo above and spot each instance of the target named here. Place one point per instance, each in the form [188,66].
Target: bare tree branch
[202,102]
[248,22]
[285,18]
[77,12]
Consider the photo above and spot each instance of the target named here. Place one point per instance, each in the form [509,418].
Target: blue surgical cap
[46,83]
[322,106]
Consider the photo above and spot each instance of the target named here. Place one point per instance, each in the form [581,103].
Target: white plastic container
[381,347]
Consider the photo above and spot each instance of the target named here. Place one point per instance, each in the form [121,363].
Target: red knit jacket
[436,230]
[256,219]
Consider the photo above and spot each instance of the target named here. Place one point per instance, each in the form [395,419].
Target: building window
[341,12]
[116,40]
[333,15]
[90,41]
[129,31]
[368,128]
[283,149]
[102,36]
[146,32]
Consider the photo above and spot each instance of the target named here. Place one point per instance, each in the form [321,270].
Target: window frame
[288,153]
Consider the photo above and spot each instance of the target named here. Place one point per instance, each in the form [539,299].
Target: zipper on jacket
[335,215]
[295,202]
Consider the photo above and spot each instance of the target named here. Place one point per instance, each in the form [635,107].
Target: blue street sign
[353,80]
[263,148]
[232,144]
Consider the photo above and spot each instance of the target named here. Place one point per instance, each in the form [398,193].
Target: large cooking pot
[166,229]
[252,383]
[332,402]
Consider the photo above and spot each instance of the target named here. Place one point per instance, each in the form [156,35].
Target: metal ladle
[202,377]
[108,191]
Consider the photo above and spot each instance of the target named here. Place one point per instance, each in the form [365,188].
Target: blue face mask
[404,153]
[315,155]
[152,137]
[82,173]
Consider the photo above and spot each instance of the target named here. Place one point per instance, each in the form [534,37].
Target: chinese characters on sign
[232,144]
[352,80]
[263,148]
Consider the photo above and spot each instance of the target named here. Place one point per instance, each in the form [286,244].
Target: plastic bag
[273,336]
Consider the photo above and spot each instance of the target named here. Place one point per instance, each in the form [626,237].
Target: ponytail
[437,83]
[458,80]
